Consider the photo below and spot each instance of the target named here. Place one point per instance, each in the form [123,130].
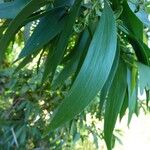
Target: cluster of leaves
[108,54]
[25,109]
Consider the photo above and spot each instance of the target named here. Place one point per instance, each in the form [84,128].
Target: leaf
[124,107]
[106,87]
[64,2]
[72,65]
[46,30]
[16,24]
[114,103]
[115,4]
[142,51]
[141,14]
[14,7]
[57,55]
[3,27]
[134,29]
[147,7]
[94,71]
[132,23]
[132,91]
[23,63]
[147,98]
[144,74]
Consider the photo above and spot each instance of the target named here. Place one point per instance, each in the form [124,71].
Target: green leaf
[93,73]
[134,28]
[24,62]
[16,24]
[147,98]
[3,27]
[144,77]
[14,7]
[106,87]
[132,91]
[72,65]
[57,55]
[141,14]
[132,23]
[115,4]
[114,102]
[64,2]
[147,7]
[141,49]
[124,107]
[46,30]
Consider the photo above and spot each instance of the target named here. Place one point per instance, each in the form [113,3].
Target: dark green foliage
[83,49]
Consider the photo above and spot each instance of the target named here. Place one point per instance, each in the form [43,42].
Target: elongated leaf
[9,10]
[141,14]
[57,55]
[114,102]
[115,4]
[3,27]
[72,65]
[124,107]
[132,22]
[135,32]
[64,2]
[132,92]
[106,87]
[46,30]
[24,62]
[147,98]
[16,24]
[141,49]
[94,71]
[144,77]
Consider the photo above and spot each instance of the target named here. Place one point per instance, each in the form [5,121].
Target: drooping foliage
[99,46]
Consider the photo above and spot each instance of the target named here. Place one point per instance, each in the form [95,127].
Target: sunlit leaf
[32,6]
[141,14]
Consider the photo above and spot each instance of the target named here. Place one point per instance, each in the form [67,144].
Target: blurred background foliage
[26,107]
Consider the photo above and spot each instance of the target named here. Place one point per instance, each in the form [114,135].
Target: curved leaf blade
[47,29]
[144,74]
[16,24]
[132,91]
[114,103]
[57,55]
[132,22]
[94,71]
[14,7]
[72,65]
[107,85]
[141,14]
